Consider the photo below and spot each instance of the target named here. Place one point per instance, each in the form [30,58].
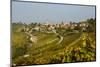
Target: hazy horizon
[27,12]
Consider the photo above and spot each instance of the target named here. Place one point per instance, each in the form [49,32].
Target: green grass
[46,50]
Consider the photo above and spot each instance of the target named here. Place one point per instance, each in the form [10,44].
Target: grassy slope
[42,52]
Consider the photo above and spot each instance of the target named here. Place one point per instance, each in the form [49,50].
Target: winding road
[32,39]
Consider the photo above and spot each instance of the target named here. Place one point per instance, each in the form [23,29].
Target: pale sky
[41,12]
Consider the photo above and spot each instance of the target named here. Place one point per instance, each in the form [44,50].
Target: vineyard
[63,46]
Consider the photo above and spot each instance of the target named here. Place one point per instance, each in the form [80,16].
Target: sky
[28,12]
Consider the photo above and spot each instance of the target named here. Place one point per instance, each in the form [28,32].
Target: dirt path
[52,41]
[61,51]
[61,39]
[73,43]
[58,36]
[82,37]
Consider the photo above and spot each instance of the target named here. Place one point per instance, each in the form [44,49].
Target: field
[42,47]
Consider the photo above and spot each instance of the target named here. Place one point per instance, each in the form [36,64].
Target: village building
[83,26]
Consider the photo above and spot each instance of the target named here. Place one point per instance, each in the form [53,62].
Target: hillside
[57,46]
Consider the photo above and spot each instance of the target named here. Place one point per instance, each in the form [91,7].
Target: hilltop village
[48,27]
